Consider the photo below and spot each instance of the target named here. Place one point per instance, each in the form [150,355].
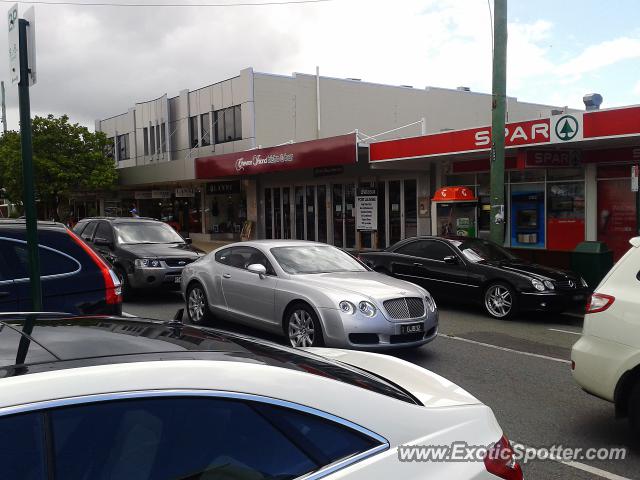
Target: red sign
[612,123]
[326,152]
[631,154]
[551,158]
[454,194]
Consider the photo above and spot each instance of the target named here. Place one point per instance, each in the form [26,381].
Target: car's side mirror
[102,242]
[188,240]
[451,260]
[258,269]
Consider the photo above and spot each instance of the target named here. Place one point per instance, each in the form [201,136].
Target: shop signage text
[367,212]
[223,188]
[326,152]
[552,158]
[142,195]
[185,192]
[328,171]
[161,194]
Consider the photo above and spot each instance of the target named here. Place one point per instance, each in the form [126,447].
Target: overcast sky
[94,62]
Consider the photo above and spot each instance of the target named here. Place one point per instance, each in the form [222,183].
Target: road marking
[584,467]
[564,331]
[505,349]
[125,314]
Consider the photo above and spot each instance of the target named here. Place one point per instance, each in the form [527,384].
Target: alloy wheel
[301,329]
[196,305]
[498,301]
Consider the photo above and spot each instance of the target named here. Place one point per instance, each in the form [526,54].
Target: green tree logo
[567,128]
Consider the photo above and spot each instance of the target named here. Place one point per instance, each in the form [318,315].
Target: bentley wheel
[197,305]
[500,301]
[303,327]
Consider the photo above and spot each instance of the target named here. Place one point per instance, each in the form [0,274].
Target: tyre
[500,301]
[197,305]
[302,326]
[634,410]
[125,286]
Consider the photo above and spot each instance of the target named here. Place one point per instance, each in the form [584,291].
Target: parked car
[482,272]
[123,398]
[74,278]
[313,293]
[145,253]
[606,359]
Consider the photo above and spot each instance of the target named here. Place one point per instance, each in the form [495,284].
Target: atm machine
[454,211]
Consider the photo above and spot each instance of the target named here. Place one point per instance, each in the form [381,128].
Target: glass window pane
[158,130]
[204,129]
[277,213]
[338,216]
[410,208]
[163,138]
[394,212]
[22,455]
[350,212]
[268,213]
[193,131]
[311,213]
[322,213]
[152,142]
[145,140]
[172,438]
[219,126]
[565,174]
[229,125]
[286,212]
[238,122]
[299,193]
[382,220]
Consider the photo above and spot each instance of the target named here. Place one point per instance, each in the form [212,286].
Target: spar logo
[567,128]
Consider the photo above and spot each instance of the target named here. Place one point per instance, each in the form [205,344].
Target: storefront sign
[223,188]
[551,158]
[634,177]
[328,171]
[164,194]
[142,195]
[366,212]
[185,192]
[327,152]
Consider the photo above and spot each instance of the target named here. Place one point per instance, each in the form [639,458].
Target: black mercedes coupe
[479,271]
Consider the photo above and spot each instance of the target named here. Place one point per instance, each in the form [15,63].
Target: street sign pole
[498,121]
[27,170]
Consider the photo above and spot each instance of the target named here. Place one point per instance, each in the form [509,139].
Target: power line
[172,5]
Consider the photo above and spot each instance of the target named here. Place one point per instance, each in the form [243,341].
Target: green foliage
[67,158]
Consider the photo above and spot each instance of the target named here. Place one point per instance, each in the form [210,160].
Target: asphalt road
[520,368]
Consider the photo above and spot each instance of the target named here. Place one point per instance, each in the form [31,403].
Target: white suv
[606,359]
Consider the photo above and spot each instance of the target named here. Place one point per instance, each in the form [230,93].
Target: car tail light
[599,302]
[111,281]
[501,462]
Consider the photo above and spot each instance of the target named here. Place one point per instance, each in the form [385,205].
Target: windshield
[146,232]
[315,259]
[477,250]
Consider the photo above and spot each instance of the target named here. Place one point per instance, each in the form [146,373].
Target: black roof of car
[62,341]
[22,223]
[122,219]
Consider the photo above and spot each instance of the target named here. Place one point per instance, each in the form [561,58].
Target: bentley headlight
[431,303]
[368,309]
[537,284]
[549,284]
[347,307]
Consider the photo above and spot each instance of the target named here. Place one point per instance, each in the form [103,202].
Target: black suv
[74,278]
[145,253]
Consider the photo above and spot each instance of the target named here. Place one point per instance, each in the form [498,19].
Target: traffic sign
[14,45]
[30,16]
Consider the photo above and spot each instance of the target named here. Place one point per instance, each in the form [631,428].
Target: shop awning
[326,152]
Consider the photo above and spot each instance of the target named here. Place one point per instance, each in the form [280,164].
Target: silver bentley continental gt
[313,293]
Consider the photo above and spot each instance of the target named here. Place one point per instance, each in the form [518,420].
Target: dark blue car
[75,279]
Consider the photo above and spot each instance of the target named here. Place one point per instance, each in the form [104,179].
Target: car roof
[121,219]
[22,223]
[63,341]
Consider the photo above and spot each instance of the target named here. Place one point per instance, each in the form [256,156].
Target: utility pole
[27,169]
[4,109]
[498,120]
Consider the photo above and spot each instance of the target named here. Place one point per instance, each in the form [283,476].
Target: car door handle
[226,275]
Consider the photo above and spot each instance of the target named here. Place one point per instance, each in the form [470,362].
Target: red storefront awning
[326,152]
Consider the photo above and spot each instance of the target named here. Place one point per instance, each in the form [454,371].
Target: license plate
[412,328]
[178,279]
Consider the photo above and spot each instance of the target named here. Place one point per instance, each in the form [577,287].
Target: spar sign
[558,129]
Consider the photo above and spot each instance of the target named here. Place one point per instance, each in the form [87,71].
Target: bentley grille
[404,308]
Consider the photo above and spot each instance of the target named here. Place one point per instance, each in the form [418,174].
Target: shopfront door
[344,215]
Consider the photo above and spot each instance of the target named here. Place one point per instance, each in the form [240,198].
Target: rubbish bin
[592,260]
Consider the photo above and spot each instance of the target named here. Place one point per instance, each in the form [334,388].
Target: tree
[67,158]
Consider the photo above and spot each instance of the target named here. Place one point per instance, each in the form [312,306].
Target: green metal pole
[498,120]
[27,173]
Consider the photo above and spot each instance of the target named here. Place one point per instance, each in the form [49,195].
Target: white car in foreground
[123,398]
[606,359]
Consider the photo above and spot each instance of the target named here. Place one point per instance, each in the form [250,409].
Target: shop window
[123,147]
[311,213]
[299,212]
[109,148]
[350,218]
[152,130]
[554,174]
[193,132]
[322,213]
[382,216]
[531,175]
[410,208]
[228,124]
[286,212]
[395,230]
[204,129]
[145,140]
[338,216]
[277,214]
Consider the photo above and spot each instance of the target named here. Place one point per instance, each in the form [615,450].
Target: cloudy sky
[95,62]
